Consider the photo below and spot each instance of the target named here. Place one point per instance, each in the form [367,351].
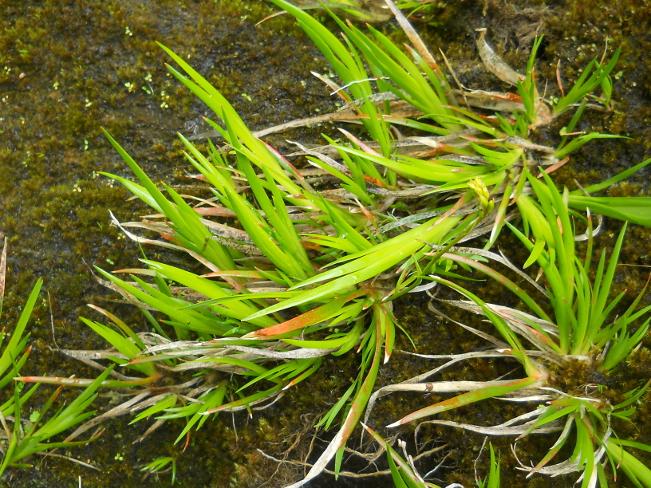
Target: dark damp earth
[69,68]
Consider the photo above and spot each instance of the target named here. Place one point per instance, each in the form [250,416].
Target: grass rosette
[579,334]
[295,274]
[329,264]
[27,437]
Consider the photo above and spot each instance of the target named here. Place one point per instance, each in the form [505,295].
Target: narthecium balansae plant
[293,274]
[573,331]
[405,475]
[21,436]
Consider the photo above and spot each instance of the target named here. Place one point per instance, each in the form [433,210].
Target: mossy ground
[68,68]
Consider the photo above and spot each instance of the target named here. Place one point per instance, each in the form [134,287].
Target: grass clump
[304,262]
[23,437]
[579,328]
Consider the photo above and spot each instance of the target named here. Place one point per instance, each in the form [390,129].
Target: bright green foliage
[33,437]
[493,478]
[401,471]
[593,75]
[578,329]
[591,421]
[300,274]
[581,307]
[404,475]
[158,464]
[351,258]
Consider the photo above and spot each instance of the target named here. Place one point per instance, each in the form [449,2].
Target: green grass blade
[501,387]
[376,262]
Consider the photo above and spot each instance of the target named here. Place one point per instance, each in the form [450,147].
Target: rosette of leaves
[578,331]
[23,437]
[465,133]
[404,472]
[299,254]
[293,274]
